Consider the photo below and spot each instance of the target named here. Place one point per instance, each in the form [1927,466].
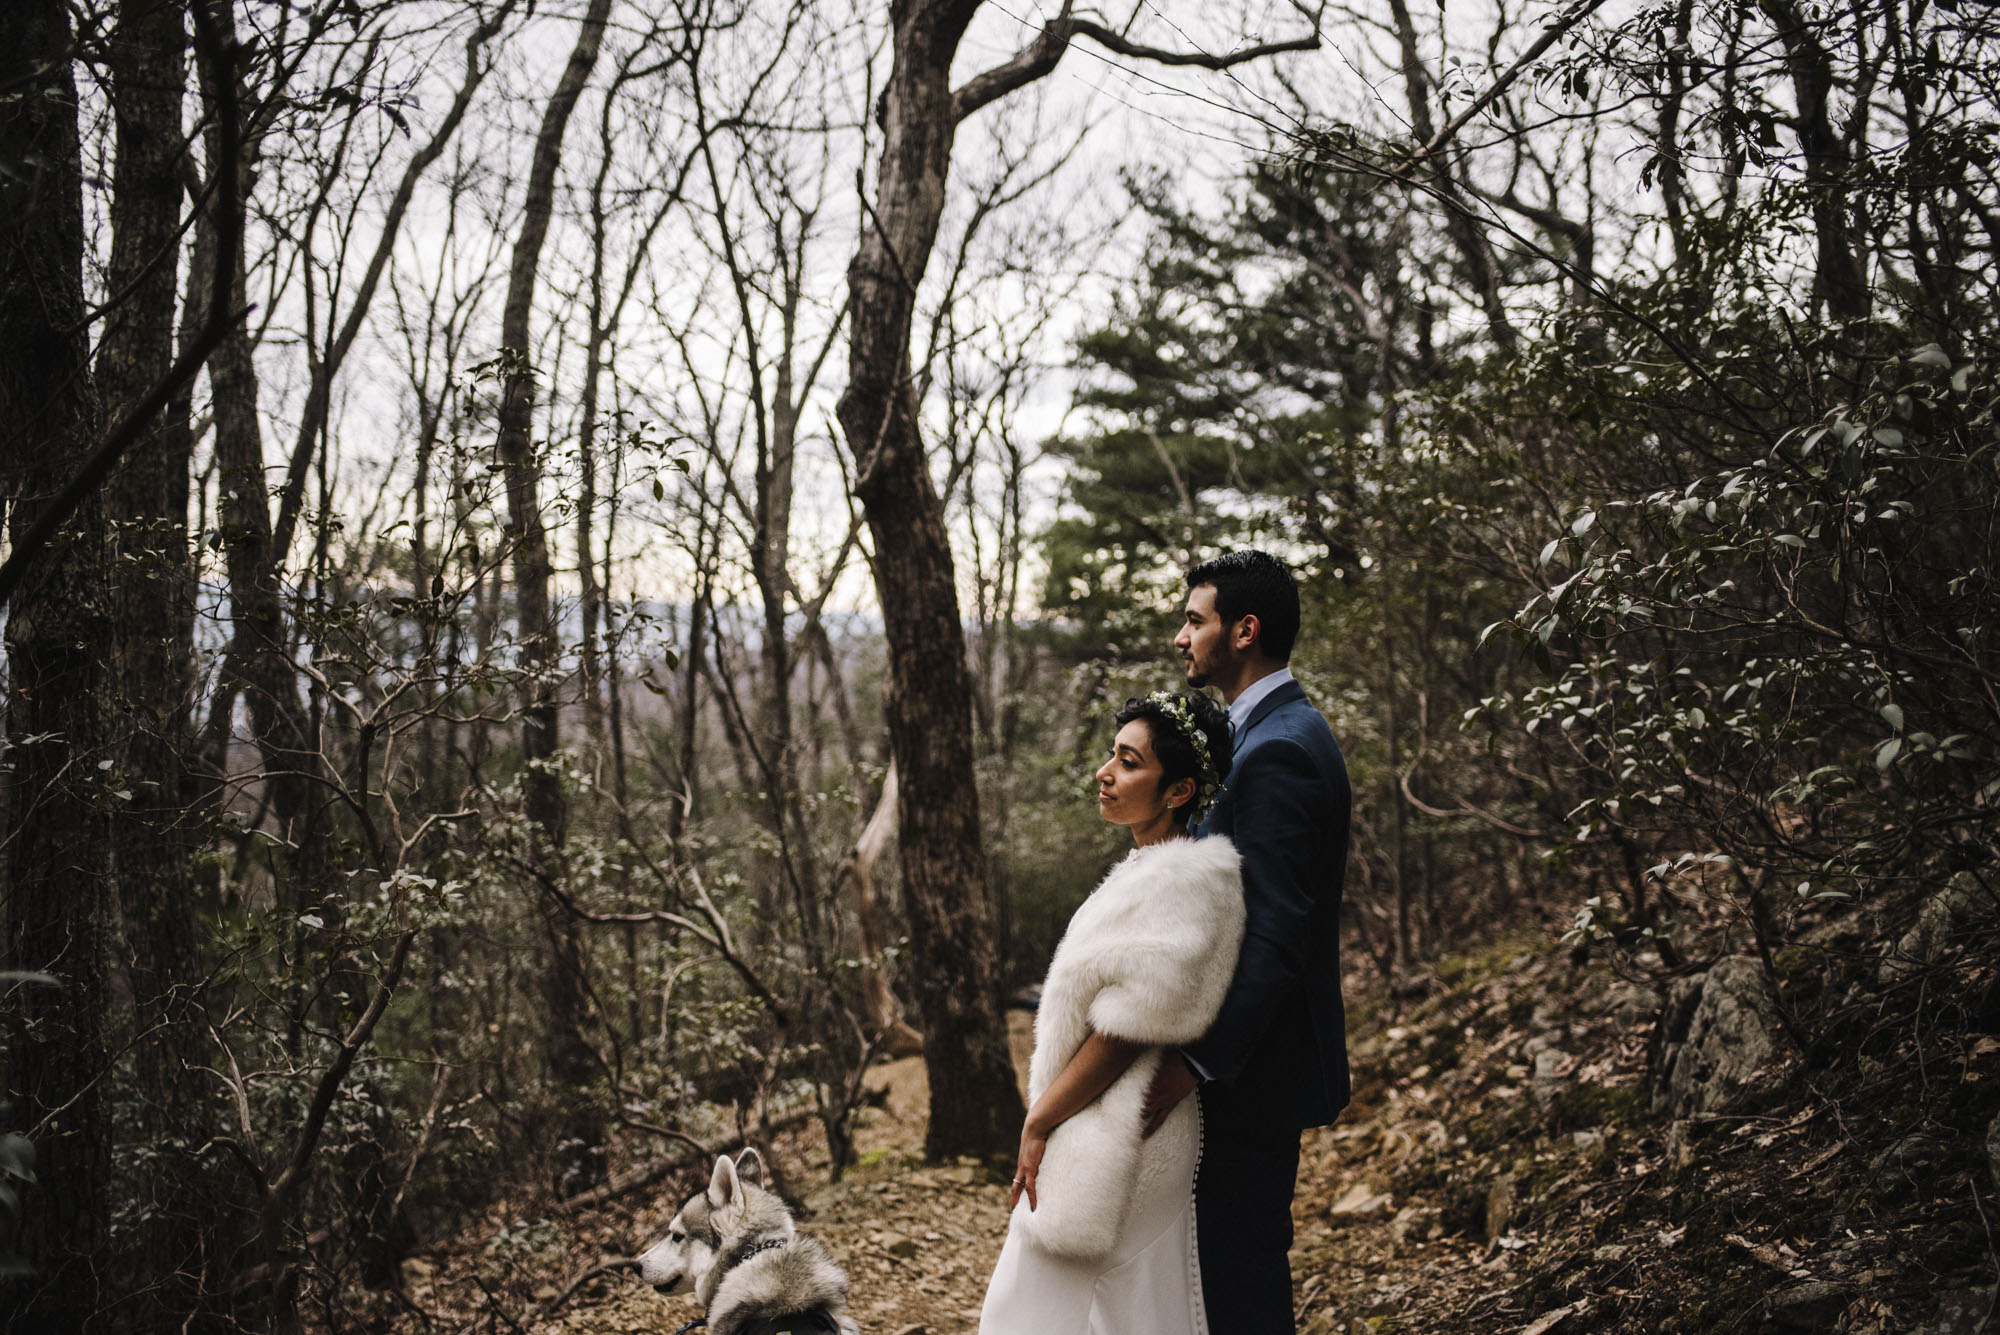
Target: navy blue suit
[1276,1056]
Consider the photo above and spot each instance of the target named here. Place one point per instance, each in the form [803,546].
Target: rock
[1499,1206]
[1634,1005]
[1961,1313]
[1732,1040]
[896,1244]
[1593,1145]
[1360,1201]
[1415,1223]
[1909,1153]
[1816,1305]
[1551,1074]
[1926,940]
[1680,1146]
[1670,1036]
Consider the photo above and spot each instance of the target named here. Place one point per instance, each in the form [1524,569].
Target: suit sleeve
[1280,796]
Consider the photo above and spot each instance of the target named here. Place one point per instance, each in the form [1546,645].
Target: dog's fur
[750,1265]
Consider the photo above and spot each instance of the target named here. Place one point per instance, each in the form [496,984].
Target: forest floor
[1499,1171]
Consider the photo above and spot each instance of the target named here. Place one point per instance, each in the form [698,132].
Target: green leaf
[1885,755]
[1894,714]
[1790,540]
[1583,523]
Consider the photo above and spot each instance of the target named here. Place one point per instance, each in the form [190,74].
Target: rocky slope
[1537,1146]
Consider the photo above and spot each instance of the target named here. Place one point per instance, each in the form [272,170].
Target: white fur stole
[1146,958]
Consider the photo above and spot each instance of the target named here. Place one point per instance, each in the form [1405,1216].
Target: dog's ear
[750,1167]
[723,1188]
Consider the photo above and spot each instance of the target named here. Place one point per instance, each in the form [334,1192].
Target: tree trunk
[687,803]
[1841,279]
[572,1065]
[975,1104]
[885,1013]
[154,830]
[258,661]
[591,599]
[58,865]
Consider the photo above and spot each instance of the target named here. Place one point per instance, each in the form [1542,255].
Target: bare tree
[571,1062]
[58,845]
[158,824]
[976,1107]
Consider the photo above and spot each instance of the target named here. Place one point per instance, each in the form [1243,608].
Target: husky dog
[753,1272]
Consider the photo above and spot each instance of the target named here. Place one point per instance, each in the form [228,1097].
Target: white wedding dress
[1110,1248]
[1150,1284]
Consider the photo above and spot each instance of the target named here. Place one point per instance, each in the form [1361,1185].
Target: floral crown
[1209,782]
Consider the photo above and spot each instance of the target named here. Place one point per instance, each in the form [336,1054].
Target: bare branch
[1576,14]
[1043,54]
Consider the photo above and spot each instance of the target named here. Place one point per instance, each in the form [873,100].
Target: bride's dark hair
[1179,757]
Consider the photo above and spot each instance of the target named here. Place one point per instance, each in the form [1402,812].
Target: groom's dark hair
[1253,583]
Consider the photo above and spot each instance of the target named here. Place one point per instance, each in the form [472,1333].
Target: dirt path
[918,1241]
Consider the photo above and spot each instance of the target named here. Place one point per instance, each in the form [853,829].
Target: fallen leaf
[1541,1325]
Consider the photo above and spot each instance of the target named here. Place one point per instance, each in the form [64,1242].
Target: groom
[1275,1061]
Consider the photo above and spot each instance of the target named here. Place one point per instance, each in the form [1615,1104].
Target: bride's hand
[1029,1166]
[1172,1082]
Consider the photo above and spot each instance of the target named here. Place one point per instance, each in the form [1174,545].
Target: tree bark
[155,830]
[571,1062]
[885,1012]
[975,1104]
[58,872]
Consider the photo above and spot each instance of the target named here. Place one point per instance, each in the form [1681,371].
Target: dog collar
[768,1244]
[698,1321]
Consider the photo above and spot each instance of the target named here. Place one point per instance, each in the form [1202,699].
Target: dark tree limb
[1041,56]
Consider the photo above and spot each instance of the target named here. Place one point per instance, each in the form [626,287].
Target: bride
[1102,1241]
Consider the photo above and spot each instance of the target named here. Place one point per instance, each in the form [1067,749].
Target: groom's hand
[1172,1082]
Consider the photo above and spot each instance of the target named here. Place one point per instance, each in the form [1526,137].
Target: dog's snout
[669,1286]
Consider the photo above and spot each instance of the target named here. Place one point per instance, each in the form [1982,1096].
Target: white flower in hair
[1209,783]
